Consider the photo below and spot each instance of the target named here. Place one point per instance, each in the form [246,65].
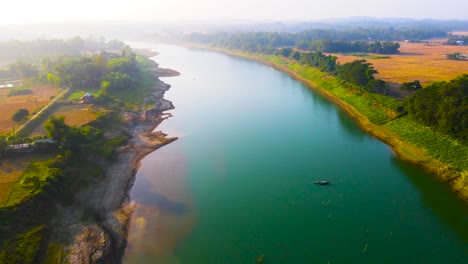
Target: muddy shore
[95,227]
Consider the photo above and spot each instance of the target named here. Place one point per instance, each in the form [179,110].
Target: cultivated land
[75,115]
[13,170]
[425,62]
[8,105]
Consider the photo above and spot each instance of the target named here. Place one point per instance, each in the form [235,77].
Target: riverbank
[409,140]
[94,228]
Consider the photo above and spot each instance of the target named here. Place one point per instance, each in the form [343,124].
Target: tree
[377,86]
[442,105]
[56,127]
[22,70]
[20,114]
[359,72]
[411,86]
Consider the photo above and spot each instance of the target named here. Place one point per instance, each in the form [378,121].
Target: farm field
[425,62]
[8,105]
[11,172]
[75,115]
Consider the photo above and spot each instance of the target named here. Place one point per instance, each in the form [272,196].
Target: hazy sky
[25,11]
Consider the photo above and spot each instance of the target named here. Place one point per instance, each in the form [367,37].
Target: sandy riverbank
[101,237]
[403,149]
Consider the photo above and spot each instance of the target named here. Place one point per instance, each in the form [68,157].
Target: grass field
[75,115]
[8,105]
[77,94]
[11,172]
[425,62]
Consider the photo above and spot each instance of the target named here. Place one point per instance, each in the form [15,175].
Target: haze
[138,10]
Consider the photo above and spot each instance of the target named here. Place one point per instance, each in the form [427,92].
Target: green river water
[239,181]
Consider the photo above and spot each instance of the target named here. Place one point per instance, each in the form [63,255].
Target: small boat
[260,258]
[322,182]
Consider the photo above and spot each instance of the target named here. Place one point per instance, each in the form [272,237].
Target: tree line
[336,46]
[14,49]
[442,105]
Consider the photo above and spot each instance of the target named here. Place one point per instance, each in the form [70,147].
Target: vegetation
[255,41]
[411,86]
[21,91]
[77,153]
[457,56]
[336,46]
[12,50]
[457,40]
[442,105]
[20,114]
[24,249]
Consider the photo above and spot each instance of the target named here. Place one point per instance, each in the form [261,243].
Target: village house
[87,99]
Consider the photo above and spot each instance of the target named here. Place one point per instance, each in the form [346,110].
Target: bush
[20,114]
[14,92]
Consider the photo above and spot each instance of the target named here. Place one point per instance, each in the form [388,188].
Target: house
[460,42]
[87,99]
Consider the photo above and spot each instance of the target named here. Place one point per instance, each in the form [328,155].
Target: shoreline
[403,149]
[103,237]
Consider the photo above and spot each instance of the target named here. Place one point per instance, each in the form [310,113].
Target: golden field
[75,115]
[425,62]
[9,105]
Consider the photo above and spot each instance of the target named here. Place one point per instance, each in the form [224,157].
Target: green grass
[56,253]
[368,56]
[30,182]
[77,94]
[22,249]
[434,143]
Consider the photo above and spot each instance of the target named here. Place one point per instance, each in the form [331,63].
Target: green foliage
[24,248]
[336,46]
[442,105]
[358,72]
[265,42]
[455,40]
[411,86]
[377,86]
[40,48]
[438,145]
[21,69]
[20,114]
[56,127]
[126,65]
[319,60]
[115,81]
[20,91]
[386,47]
[457,56]
[53,79]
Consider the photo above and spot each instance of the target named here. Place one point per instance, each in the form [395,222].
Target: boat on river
[322,182]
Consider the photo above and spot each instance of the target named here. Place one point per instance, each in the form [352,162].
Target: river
[239,181]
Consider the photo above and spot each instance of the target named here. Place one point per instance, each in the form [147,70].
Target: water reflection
[437,197]
[145,196]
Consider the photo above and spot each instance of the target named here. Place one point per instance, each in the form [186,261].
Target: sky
[40,11]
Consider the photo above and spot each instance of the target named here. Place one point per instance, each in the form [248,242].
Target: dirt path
[45,108]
